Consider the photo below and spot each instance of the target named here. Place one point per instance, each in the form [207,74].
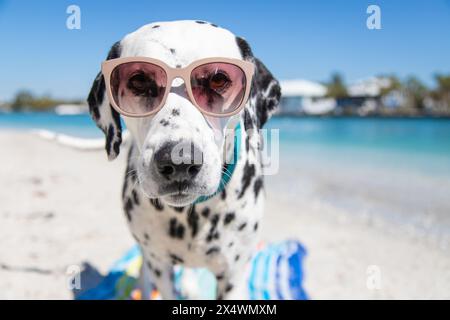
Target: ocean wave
[76,142]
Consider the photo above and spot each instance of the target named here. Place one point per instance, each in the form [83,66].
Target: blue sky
[295,39]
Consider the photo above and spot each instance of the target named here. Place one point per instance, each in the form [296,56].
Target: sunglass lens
[218,88]
[138,87]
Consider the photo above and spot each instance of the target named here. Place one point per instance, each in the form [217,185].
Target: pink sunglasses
[139,86]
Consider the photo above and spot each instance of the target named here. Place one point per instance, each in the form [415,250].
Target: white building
[372,88]
[303,96]
[369,87]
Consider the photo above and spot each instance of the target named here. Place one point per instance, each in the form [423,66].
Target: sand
[60,206]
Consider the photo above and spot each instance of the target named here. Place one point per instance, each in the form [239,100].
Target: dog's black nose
[178,161]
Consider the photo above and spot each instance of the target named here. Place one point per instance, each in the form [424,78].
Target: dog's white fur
[220,233]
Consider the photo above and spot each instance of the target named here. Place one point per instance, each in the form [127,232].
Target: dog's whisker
[222,184]
[138,181]
[228,174]
[135,184]
[128,172]
[226,170]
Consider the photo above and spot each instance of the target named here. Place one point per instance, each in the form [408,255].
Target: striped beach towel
[274,273]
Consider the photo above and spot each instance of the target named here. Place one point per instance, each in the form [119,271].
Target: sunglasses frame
[108,67]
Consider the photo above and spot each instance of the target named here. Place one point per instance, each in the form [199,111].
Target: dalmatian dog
[220,232]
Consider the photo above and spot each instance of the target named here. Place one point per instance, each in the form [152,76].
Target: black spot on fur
[116,119]
[116,146]
[228,218]
[128,207]
[176,229]
[247,143]
[200,22]
[249,173]
[172,50]
[255,227]
[95,100]
[220,276]
[266,100]
[230,244]
[214,25]
[212,232]
[135,197]
[248,121]
[164,122]
[212,250]
[229,287]
[192,220]
[178,66]
[146,236]
[258,186]
[175,259]
[215,220]
[114,52]
[246,51]
[242,226]
[175,112]
[109,138]
[149,265]
[157,204]
[156,26]
[223,195]
[267,91]
[205,212]
[158,273]
[236,258]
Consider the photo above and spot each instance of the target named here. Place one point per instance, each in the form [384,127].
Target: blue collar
[228,167]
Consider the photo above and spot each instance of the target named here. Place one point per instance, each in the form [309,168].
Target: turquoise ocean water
[75,125]
[421,144]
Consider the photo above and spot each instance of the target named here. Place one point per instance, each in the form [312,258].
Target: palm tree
[336,87]
[394,84]
[416,93]
[23,99]
[442,92]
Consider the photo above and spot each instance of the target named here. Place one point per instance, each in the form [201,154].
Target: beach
[61,206]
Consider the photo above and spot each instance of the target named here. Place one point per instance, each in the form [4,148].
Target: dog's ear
[266,90]
[106,118]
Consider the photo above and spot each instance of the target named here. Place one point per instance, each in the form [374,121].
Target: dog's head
[179,129]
